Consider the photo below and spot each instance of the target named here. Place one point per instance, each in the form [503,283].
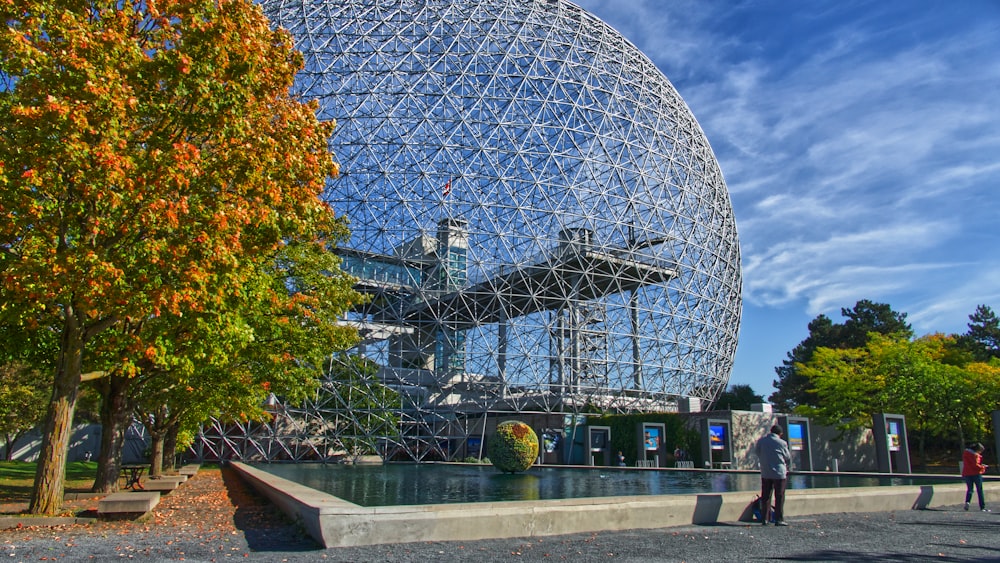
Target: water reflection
[400,484]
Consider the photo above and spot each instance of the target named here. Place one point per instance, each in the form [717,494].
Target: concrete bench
[127,504]
[164,484]
[190,470]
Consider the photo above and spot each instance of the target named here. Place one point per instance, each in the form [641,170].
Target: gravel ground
[216,517]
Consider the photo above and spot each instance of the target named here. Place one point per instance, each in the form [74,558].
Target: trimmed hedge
[514,446]
[623,428]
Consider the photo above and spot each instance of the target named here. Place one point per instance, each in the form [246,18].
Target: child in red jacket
[972,470]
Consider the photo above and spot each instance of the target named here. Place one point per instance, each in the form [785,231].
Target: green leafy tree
[846,390]
[919,385]
[792,388]
[976,399]
[149,151]
[23,398]
[274,338]
[737,398]
[910,377]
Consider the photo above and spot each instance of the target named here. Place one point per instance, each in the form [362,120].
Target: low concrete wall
[299,502]
[334,522]
[853,450]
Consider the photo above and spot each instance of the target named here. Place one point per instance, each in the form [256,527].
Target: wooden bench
[127,504]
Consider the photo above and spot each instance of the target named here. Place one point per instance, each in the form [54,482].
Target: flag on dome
[447,187]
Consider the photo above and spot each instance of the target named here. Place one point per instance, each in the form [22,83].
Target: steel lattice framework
[536,212]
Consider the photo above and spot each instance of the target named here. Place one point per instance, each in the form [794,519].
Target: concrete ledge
[127,504]
[334,522]
[190,469]
[7,522]
[164,484]
[299,502]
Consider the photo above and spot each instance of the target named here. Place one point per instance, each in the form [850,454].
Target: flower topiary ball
[514,446]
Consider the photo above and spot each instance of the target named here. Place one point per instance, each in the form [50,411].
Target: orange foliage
[153,161]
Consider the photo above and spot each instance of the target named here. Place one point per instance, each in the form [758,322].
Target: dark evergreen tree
[792,387]
[737,398]
[867,317]
[983,337]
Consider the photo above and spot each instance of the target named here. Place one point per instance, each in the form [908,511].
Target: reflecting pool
[432,483]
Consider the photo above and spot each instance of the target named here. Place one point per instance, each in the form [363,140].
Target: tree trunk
[921,440]
[50,475]
[156,455]
[8,446]
[157,429]
[116,413]
[170,448]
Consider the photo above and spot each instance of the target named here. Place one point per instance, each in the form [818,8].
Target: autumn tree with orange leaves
[151,157]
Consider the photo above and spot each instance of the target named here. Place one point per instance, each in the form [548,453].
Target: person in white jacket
[775,461]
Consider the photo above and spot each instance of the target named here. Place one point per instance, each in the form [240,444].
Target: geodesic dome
[537,214]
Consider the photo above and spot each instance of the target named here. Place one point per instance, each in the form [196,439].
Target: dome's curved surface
[531,200]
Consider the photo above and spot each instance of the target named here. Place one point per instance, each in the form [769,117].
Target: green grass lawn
[17,478]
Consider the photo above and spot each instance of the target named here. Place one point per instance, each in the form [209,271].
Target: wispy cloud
[947,309]
[822,271]
[848,167]
[860,144]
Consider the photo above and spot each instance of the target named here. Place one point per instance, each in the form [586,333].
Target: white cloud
[859,164]
[672,35]
[947,310]
[868,264]
[860,146]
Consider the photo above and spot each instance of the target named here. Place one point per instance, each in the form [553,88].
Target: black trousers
[766,487]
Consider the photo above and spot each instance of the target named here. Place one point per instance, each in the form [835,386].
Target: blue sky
[861,145]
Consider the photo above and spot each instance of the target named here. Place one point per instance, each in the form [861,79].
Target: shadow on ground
[264,526]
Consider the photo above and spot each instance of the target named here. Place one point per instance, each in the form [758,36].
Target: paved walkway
[215,517]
